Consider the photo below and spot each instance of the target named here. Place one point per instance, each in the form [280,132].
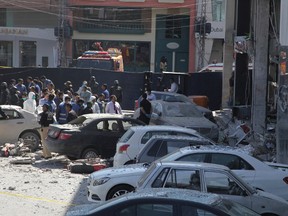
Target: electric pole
[61,35]
[203,28]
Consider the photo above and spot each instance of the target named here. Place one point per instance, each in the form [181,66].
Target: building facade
[27,34]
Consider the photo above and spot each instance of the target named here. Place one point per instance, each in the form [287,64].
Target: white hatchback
[134,139]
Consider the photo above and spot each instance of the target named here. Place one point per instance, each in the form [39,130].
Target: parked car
[212,178]
[164,202]
[112,182]
[90,135]
[20,124]
[161,145]
[257,173]
[135,138]
[175,97]
[182,114]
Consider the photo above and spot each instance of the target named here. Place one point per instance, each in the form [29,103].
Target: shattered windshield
[181,110]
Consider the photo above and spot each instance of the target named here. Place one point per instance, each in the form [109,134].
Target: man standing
[145,109]
[46,118]
[71,114]
[105,92]
[117,91]
[61,114]
[113,106]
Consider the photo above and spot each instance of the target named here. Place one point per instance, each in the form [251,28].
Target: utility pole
[228,51]
[260,73]
[202,34]
[61,34]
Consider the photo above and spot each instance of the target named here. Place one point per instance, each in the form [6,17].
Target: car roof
[105,115]
[10,107]
[191,165]
[175,137]
[162,127]
[214,149]
[165,102]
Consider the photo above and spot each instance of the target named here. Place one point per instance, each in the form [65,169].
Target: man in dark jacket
[46,118]
[71,114]
[145,109]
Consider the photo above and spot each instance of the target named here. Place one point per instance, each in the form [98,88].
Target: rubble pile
[234,132]
[16,149]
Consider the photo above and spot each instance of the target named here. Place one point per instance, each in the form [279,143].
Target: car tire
[34,145]
[82,169]
[89,153]
[119,190]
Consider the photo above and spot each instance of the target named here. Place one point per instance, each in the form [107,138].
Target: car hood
[126,170]
[189,122]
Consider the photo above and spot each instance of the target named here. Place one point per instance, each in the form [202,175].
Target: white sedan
[19,124]
[212,178]
[111,182]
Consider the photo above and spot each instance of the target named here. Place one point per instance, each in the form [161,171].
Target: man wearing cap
[116,90]
[46,118]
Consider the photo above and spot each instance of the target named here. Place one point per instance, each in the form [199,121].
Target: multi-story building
[27,33]
[144,30]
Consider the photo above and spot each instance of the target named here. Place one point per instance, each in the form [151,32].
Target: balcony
[115,27]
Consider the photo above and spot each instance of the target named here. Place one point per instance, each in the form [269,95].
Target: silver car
[182,114]
[212,178]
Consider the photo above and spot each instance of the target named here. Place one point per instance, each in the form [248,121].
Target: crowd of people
[55,105]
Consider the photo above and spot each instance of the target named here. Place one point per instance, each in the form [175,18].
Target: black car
[164,202]
[89,136]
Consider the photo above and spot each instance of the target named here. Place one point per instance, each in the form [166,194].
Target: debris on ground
[16,149]
[87,166]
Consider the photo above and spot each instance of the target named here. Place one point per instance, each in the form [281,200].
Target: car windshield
[234,209]
[171,97]
[81,121]
[180,110]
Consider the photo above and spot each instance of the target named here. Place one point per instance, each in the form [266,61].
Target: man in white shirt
[113,106]
[174,86]
[150,95]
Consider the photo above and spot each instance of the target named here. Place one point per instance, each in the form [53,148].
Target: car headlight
[100,181]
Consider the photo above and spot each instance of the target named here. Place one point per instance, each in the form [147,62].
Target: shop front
[27,47]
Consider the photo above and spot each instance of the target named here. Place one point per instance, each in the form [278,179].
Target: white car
[136,137]
[257,173]
[20,124]
[212,178]
[117,181]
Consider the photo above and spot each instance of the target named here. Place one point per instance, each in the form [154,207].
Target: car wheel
[90,153]
[33,139]
[119,190]
[130,162]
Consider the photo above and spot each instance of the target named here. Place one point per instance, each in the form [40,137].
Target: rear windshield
[81,121]
[129,133]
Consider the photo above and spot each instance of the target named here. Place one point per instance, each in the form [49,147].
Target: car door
[221,182]
[103,136]
[241,167]
[16,122]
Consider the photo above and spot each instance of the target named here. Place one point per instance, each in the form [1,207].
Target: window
[232,161]
[27,53]
[218,10]
[106,125]
[6,53]
[193,211]
[12,114]
[3,16]
[193,158]
[221,183]
[173,27]
[160,178]
[147,209]
[186,179]
[126,136]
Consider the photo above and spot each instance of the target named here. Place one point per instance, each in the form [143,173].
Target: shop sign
[14,31]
